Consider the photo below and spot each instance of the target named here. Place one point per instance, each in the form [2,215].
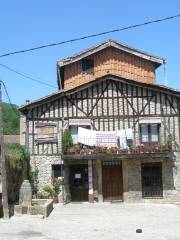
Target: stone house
[109,88]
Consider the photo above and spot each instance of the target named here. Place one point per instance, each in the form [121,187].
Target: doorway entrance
[152,185]
[112,182]
[79,182]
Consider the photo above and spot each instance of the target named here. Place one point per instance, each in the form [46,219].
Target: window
[57,170]
[46,132]
[74,133]
[87,65]
[151,180]
[149,133]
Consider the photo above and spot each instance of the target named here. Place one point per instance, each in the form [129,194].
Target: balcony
[80,151]
[87,144]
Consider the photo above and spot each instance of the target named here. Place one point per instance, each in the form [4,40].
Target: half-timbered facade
[108,88]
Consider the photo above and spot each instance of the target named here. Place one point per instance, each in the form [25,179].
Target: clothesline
[121,138]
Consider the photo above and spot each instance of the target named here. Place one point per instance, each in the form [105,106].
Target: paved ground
[97,221]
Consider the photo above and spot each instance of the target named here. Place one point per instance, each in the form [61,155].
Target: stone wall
[44,166]
[170,178]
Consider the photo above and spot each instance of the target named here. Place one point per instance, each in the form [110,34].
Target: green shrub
[67,141]
[17,165]
[48,189]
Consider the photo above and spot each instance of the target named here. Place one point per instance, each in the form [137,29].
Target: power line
[9,99]
[92,35]
[26,76]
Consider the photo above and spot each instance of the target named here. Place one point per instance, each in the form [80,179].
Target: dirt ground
[97,221]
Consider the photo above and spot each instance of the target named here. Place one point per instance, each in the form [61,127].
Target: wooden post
[125,179]
[66,190]
[3,164]
[90,181]
[100,194]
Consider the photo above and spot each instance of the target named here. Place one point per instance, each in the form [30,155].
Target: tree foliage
[10,119]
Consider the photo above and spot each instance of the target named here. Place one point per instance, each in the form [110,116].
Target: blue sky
[25,24]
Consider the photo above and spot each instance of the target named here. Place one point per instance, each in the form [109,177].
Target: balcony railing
[107,146]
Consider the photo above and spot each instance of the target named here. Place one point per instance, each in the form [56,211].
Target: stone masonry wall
[44,166]
[170,178]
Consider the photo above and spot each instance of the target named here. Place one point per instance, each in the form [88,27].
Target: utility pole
[3,164]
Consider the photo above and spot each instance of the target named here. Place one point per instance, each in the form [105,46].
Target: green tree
[10,119]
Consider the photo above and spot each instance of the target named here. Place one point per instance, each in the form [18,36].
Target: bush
[17,165]
[67,141]
[42,194]
[48,189]
[56,186]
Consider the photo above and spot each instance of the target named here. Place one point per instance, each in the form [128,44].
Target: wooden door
[112,182]
[79,182]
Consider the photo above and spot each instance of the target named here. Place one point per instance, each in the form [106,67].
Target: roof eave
[53,96]
[155,59]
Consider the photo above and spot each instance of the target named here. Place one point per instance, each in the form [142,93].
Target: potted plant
[169,141]
[157,148]
[114,150]
[103,149]
[49,190]
[109,150]
[56,189]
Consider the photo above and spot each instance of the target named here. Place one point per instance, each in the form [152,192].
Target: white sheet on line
[106,138]
[86,136]
[123,135]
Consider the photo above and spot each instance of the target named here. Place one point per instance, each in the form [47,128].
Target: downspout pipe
[165,73]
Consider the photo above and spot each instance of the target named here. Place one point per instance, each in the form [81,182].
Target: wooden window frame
[87,65]
[150,142]
[46,139]
[56,166]
[83,126]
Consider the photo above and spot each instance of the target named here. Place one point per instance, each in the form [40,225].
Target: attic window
[87,65]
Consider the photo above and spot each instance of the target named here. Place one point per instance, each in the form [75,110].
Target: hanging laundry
[86,136]
[121,139]
[106,138]
[129,136]
[124,138]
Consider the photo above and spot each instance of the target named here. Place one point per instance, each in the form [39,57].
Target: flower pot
[55,199]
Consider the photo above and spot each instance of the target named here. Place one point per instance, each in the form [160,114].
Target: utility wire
[92,35]
[9,99]
[26,76]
